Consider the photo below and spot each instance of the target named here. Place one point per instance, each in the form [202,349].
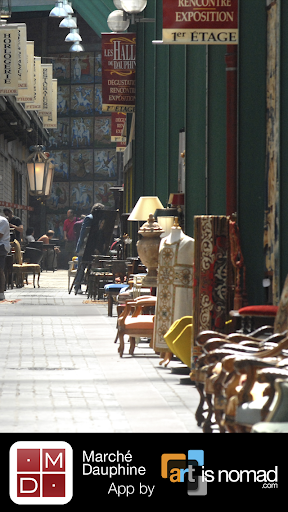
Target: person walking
[96,248]
[69,234]
[4,249]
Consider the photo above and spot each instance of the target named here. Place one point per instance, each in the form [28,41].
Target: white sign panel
[51,121]
[27,94]
[47,76]
[22,56]
[37,103]
[9,60]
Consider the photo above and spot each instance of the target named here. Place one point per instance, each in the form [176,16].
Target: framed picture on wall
[82,100]
[105,164]
[81,164]
[82,68]
[81,195]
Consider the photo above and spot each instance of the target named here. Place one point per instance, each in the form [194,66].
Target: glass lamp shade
[68,22]
[76,47]
[116,22]
[73,36]
[58,11]
[49,178]
[144,206]
[36,177]
[133,6]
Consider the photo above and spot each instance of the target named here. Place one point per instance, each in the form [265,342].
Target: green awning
[94,12]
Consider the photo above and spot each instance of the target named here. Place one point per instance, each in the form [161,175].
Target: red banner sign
[118,72]
[118,121]
[17,206]
[200,21]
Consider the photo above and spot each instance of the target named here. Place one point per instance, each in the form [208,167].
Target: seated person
[30,235]
[47,237]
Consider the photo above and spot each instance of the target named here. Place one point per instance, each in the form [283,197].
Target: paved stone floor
[60,370]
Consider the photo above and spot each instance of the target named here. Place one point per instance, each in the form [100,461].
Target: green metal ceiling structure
[94,12]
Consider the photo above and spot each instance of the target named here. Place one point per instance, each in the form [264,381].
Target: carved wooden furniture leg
[207,425]
[132,345]
[121,344]
[199,411]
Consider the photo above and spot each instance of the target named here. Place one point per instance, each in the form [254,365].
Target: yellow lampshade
[144,206]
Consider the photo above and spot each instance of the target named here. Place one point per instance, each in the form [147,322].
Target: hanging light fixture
[68,22]
[58,11]
[37,170]
[76,47]
[5,9]
[68,7]
[73,36]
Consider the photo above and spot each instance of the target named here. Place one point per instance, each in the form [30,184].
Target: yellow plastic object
[179,339]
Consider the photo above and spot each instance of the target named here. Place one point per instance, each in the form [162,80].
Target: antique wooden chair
[276,420]
[212,340]
[22,269]
[136,320]
[231,383]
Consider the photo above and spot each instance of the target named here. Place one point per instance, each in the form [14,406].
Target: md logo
[179,468]
[41,473]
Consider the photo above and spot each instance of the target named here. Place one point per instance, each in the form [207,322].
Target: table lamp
[150,231]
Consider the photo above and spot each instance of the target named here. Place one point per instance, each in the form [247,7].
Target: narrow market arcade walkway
[60,370]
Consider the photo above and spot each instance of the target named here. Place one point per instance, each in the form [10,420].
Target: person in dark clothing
[95,245]
[15,223]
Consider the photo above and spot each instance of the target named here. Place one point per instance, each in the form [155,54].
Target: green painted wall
[172,95]
[185,87]
[252,141]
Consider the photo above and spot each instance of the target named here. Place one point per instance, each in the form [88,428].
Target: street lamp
[127,11]
[38,167]
[116,21]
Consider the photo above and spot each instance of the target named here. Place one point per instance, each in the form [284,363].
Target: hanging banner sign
[47,75]
[9,60]
[200,22]
[37,103]
[118,72]
[22,56]
[27,94]
[51,121]
[17,206]
[120,147]
[117,126]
